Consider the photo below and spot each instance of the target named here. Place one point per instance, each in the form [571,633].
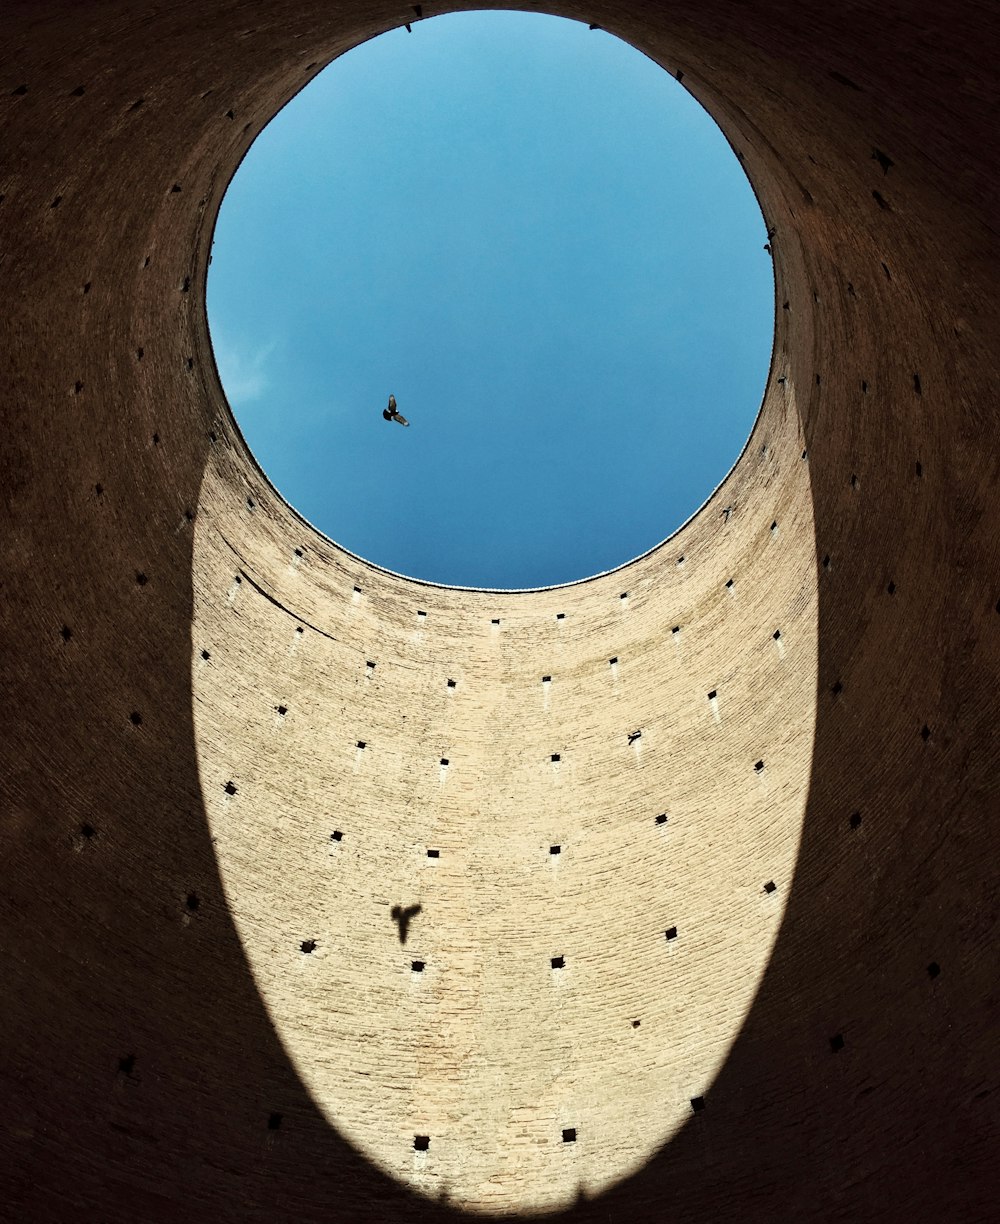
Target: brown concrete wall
[169,1048]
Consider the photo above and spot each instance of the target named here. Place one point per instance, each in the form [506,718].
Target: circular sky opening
[544,248]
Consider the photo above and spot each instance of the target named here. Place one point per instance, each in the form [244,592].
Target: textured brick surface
[170,1050]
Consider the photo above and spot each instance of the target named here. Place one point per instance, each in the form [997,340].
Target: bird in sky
[392,413]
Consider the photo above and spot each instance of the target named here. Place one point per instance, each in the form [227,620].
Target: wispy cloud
[244,373]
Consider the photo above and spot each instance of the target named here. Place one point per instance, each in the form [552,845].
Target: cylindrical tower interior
[334,895]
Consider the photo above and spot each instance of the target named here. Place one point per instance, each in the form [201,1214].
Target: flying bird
[392,413]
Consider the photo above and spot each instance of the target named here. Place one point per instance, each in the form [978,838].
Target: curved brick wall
[779,1001]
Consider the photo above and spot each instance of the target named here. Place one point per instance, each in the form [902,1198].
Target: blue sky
[545,249]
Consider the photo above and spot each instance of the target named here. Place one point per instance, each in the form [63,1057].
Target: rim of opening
[450,586]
